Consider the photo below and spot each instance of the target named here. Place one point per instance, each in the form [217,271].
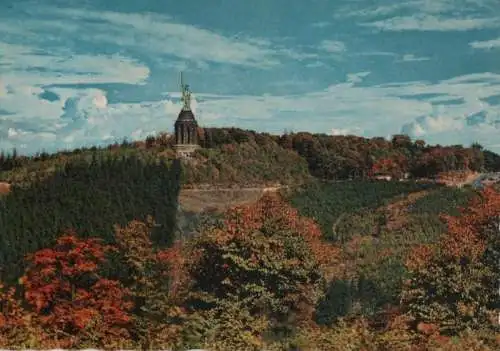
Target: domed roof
[186,116]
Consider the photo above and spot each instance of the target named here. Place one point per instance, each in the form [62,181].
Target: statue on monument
[186,95]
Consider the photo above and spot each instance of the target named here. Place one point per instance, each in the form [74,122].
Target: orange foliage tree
[453,284]
[17,326]
[69,298]
[264,259]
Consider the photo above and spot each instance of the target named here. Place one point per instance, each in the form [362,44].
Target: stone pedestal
[185,150]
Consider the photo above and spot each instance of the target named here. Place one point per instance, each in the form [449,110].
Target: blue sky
[89,72]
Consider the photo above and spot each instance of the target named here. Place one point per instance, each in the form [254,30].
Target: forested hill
[95,251]
[90,190]
[232,156]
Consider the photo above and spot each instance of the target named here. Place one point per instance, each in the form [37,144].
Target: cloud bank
[73,76]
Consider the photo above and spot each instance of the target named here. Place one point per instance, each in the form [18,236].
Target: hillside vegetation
[90,197]
[233,156]
[262,278]
[97,253]
[377,240]
[327,202]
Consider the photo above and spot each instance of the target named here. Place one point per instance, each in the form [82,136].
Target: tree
[401,141]
[264,259]
[453,283]
[155,316]
[70,299]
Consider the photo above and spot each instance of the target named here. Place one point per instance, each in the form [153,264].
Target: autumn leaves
[250,281]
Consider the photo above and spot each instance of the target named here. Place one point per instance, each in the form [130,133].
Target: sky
[92,72]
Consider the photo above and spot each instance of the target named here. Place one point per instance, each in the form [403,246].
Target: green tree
[264,258]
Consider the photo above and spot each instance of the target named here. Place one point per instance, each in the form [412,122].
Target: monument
[186,127]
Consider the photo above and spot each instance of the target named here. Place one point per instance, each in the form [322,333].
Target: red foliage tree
[69,297]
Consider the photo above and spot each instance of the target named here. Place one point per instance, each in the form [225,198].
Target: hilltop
[236,157]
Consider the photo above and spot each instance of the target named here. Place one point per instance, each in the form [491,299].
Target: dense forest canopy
[89,196]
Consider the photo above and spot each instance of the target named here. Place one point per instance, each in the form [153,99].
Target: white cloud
[413,58]
[100,101]
[314,64]
[432,124]
[345,131]
[425,22]
[321,24]
[424,6]
[28,70]
[296,55]
[430,7]
[85,120]
[486,45]
[472,121]
[371,11]
[332,46]
[426,15]
[357,77]
[33,122]
[25,65]
[449,131]
[162,35]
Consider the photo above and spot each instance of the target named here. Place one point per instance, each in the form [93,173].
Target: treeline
[232,155]
[342,157]
[491,161]
[345,157]
[88,195]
